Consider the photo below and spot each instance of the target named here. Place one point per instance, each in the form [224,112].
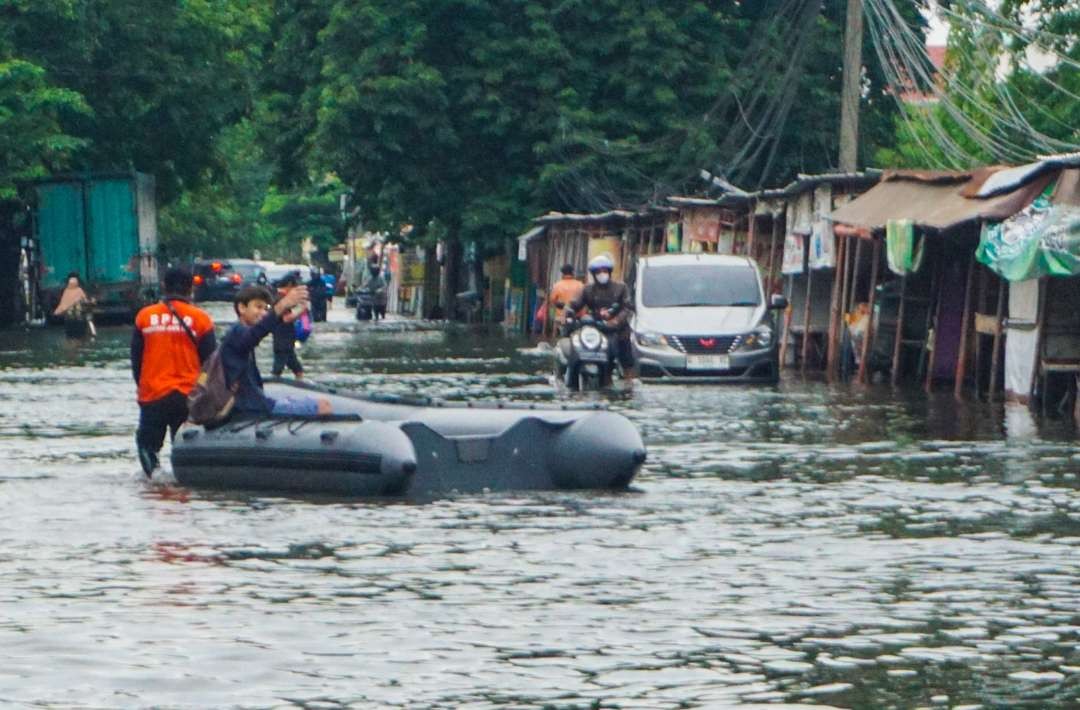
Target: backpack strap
[194,340]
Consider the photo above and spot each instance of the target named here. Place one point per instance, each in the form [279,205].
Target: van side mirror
[778,302]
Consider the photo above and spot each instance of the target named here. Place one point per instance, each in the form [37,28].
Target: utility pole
[852,88]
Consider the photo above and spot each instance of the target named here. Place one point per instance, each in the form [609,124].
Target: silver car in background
[704,315]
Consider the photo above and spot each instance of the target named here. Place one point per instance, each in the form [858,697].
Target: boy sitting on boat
[256,319]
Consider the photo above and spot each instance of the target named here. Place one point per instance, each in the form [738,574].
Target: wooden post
[846,292]
[995,354]
[772,251]
[806,317]
[899,341]
[787,325]
[980,307]
[845,296]
[934,313]
[863,360]
[853,295]
[752,229]
[1040,342]
[832,356]
[965,324]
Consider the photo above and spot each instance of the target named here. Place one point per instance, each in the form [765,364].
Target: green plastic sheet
[903,252]
[1043,239]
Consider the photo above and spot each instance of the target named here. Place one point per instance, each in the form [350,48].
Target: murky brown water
[791,545]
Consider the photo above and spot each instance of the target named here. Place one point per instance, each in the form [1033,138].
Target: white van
[704,314]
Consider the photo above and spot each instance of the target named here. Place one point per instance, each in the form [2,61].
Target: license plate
[708,362]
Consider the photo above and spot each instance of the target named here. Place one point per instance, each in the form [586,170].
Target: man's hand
[605,314]
[324,407]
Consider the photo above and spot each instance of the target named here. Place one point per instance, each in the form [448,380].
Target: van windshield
[700,285]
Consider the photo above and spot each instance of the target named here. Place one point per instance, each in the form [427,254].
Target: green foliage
[995,107]
[32,140]
[160,80]
[474,115]
[237,211]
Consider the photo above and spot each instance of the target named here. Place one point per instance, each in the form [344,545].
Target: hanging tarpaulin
[903,250]
[1043,239]
[822,253]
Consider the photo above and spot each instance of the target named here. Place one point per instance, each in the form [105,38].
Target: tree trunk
[430,295]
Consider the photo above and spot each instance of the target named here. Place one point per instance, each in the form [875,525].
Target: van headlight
[590,338]
[651,340]
[757,339]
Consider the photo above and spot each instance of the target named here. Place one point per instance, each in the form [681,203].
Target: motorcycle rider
[377,284]
[599,297]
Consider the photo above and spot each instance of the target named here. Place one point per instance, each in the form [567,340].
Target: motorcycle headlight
[758,339]
[651,340]
[591,338]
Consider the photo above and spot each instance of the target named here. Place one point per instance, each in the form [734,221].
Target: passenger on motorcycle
[599,297]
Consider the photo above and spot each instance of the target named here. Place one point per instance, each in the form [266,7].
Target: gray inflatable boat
[388,446]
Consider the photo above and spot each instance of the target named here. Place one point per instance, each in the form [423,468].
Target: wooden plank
[898,343]
[995,353]
[960,371]
[869,336]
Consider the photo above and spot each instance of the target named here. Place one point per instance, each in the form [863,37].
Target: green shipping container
[113,254]
[104,227]
[60,228]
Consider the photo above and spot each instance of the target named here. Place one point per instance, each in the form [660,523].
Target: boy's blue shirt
[238,357]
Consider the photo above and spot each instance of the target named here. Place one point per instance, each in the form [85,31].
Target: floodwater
[792,546]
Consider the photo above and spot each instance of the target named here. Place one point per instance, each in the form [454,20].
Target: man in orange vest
[564,292]
[172,339]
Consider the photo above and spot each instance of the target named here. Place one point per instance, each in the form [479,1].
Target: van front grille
[704,344]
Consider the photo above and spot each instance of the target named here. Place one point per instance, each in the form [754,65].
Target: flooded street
[798,545]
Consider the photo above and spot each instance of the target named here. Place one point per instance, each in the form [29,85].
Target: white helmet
[599,263]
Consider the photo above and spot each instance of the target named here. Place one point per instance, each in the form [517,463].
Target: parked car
[704,314]
[222,279]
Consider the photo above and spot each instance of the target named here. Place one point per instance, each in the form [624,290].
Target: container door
[60,227]
[114,235]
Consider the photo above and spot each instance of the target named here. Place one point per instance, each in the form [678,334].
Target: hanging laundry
[903,250]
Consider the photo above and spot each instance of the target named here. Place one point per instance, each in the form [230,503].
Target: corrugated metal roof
[725,201]
[1009,179]
[599,216]
[806,182]
[534,233]
[933,205]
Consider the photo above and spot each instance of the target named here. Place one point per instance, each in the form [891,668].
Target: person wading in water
[171,340]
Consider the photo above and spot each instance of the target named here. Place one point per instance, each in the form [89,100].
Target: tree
[472,115]
[153,81]
[1006,94]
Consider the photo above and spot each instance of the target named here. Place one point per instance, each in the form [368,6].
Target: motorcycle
[365,304]
[585,355]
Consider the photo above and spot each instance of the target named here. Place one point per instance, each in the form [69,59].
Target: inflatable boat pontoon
[375,446]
